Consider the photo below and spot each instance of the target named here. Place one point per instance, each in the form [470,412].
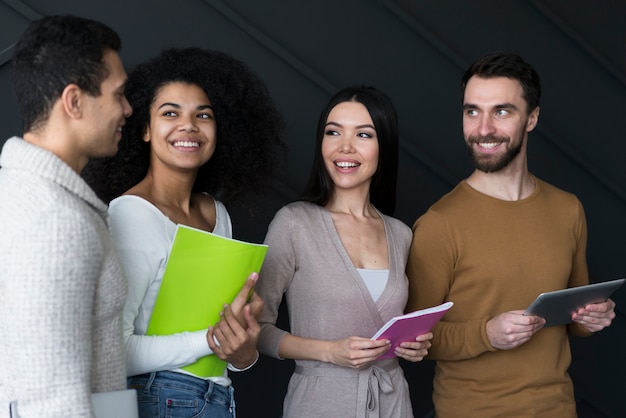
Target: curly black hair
[249,147]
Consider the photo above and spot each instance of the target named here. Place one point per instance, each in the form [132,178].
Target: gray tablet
[557,307]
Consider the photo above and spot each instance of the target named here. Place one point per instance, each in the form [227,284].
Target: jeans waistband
[181,380]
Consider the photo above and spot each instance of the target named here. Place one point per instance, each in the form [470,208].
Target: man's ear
[72,101]
[533,118]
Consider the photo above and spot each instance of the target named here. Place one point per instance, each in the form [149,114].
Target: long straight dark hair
[383,186]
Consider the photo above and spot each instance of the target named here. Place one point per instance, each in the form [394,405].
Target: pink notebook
[407,327]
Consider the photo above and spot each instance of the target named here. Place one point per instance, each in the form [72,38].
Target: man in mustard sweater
[491,245]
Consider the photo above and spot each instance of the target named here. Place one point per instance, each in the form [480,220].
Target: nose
[486,126]
[128,109]
[188,123]
[345,145]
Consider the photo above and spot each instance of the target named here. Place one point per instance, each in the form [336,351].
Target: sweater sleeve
[580,272]
[54,266]
[430,270]
[140,237]
[276,275]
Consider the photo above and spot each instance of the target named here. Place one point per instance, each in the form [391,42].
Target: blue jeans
[176,395]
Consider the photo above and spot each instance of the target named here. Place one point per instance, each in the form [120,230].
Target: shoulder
[214,209]
[48,210]
[561,203]
[459,195]
[396,226]
[298,209]
[450,206]
[553,192]
[220,210]
[133,219]
[297,215]
[133,208]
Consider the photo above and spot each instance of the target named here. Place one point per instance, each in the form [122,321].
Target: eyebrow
[467,106]
[367,125]
[177,106]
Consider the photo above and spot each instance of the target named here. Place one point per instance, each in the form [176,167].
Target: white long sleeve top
[143,235]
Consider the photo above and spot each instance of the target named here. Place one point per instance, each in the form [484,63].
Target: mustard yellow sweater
[489,256]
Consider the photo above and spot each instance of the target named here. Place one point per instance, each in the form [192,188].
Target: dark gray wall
[416,51]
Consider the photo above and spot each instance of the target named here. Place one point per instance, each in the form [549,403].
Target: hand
[511,329]
[243,298]
[356,352]
[415,350]
[232,342]
[596,316]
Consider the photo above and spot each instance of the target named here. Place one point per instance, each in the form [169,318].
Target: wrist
[246,364]
[325,353]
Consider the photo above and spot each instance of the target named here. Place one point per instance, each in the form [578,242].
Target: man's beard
[489,163]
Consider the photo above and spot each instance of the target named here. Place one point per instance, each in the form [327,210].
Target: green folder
[203,272]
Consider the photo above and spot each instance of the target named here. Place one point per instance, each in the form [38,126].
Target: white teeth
[489,144]
[186,144]
[345,164]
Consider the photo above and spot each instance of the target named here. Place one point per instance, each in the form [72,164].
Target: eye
[471,112]
[205,116]
[170,113]
[330,132]
[364,135]
[502,112]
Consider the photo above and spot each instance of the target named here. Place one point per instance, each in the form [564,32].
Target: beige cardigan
[328,300]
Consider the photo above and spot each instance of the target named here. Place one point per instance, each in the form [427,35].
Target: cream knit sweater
[61,289]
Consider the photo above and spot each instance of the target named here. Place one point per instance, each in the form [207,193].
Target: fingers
[229,328]
[415,350]
[356,352]
[253,325]
[511,329]
[425,337]
[600,309]
[597,316]
[256,304]
[214,344]
[238,343]
[411,354]
[244,296]
[359,343]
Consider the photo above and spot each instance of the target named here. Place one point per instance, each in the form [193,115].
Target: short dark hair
[383,187]
[502,64]
[249,146]
[54,52]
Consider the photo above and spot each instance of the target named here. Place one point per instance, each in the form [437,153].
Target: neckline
[155,209]
[465,185]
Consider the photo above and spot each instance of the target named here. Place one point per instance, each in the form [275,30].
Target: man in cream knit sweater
[61,286]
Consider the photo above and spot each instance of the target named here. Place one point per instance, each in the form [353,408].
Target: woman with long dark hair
[339,258]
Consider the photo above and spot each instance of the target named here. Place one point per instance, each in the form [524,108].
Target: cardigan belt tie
[371,382]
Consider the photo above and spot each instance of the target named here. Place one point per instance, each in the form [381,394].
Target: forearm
[459,341]
[299,348]
[145,354]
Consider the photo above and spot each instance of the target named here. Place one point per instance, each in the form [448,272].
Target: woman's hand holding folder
[235,336]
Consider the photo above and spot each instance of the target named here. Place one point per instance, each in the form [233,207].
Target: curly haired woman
[204,133]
